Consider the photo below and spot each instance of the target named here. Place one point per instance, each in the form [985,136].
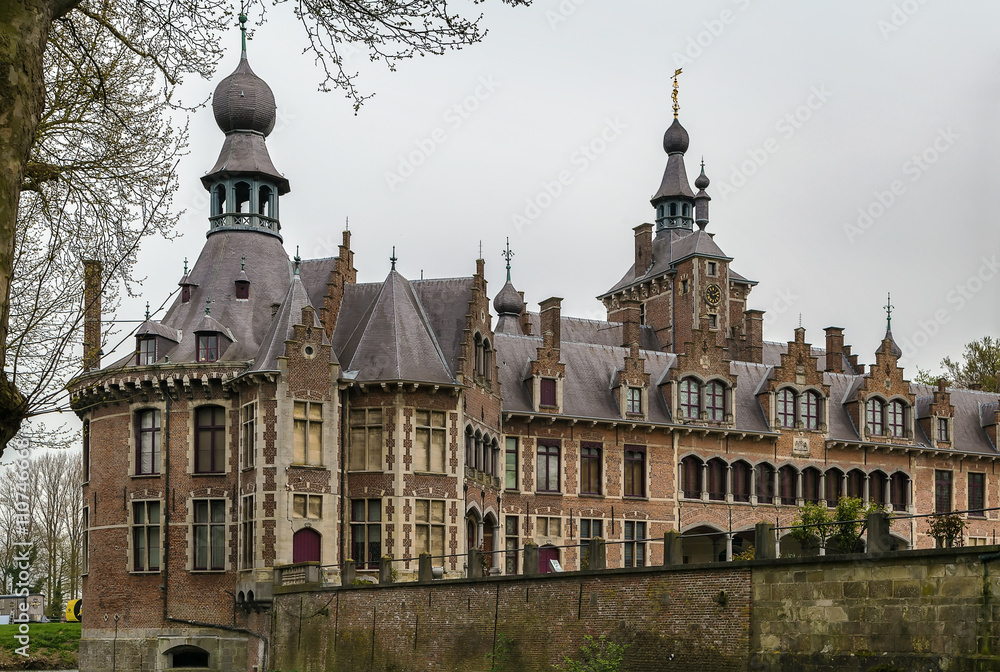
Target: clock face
[713,295]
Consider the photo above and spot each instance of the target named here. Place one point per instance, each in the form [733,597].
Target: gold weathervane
[674,94]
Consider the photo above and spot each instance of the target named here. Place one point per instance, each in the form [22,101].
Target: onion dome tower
[244,184]
[674,200]
[701,199]
[508,303]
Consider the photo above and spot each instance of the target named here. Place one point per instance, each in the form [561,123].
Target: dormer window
[886,419]
[873,414]
[690,399]
[208,347]
[185,293]
[242,290]
[942,430]
[895,420]
[634,400]
[810,410]
[715,401]
[547,392]
[145,351]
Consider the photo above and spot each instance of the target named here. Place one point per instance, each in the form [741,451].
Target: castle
[282,412]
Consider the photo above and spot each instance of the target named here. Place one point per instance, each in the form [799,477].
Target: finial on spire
[297,260]
[347,223]
[243,262]
[800,320]
[888,311]
[147,311]
[674,94]
[243,30]
[185,265]
[507,254]
[393,258]
[208,307]
[480,248]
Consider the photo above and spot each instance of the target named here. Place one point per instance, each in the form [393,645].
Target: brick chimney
[525,317]
[834,349]
[755,335]
[92,271]
[643,248]
[630,322]
[343,274]
[551,321]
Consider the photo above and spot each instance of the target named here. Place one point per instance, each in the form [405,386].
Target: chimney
[834,349]
[643,248]
[852,359]
[754,335]
[92,314]
[343,274]
[630,322]
[551,320]
[525,317]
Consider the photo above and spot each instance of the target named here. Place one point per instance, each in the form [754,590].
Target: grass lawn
[56,644]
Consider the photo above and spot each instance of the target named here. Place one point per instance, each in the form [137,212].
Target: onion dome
[244,102]
[702,181]
[893,348]
[508,301]
[676,139]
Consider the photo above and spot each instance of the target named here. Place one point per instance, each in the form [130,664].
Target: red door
[305,546]
[546,553]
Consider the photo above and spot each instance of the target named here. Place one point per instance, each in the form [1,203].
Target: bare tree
[174,40]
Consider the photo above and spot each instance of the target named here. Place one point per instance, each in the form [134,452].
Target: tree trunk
[24,28]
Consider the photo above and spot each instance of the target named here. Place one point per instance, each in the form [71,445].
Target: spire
[147,311]
[208,306]
[701,199]
[297,260]
[393,259]
[507,254]
[185,265]
[673,95]
[508,301]
[888,312]
[243,32]
[889,342]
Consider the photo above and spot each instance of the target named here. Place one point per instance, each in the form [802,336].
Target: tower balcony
[244,221]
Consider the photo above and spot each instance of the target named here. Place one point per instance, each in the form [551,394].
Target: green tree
[839,530]
[979,366]
[168,41]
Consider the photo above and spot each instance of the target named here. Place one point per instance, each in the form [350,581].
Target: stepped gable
[283,326]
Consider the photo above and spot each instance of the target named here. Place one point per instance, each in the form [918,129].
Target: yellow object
[73,608]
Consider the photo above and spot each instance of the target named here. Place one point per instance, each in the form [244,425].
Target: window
[712,268]
[307,506]
[85,542]
[86,451]
[219,200]
[366,439]
[895,420]
[547,392]
[977,494]
[589,528]
[208,347]
[877,482]
[546,526]
[856,484]
[741,481]
[634,400]
[248,434]
[715,401]
[147,442]
[429,516]
[942,429]
[242,197]
[899,491]
[874,416]
[185,293]
[942,491]
[765,484]
[366,532]
[978,541]
[264,200]
[146,536]
[786,408]
[477,349]
[788,482]
[673,209]
[209,532]
[146,351]
[690,398]
[684,286]
[210,440]
[510,464]
[547,466]
[487,360]
[430,442]
[642,313]
[810,410]
[307,433]
[511,527]
[716,479]
[248,533]
[590,468]
[834,487]
[713,321]
[635,471]
[691,467]
[635,543]
[810,485]
[242,290]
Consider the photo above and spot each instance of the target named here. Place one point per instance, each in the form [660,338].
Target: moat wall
[928,610]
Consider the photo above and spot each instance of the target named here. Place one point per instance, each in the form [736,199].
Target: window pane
[315,443]
[437,540]
[315,507]
[422,510]
[421,458]
[423,539]
[218,547]
[555,527]
[437,511]
[299,410]
[154,548]
[357,452]
[299,442]
[437,451]
[315,412]
[374,510]
[299,506]
[375,448]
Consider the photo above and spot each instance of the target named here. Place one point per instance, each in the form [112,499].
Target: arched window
[187,656]
[834,487]
[741,481]
[786,407]
[873,415]
[877,481]
[691,468]
[477,346]
[242,197]
[264,201]
[673,209]
[899,486]
[690,398]
[687,210]
[895,423]
[716,479]
[479,452]
[856,483]
[219,199]
[810,485]
[788,478]
[487,359]
[765,483]
[715,401]
[210,440]
[470,447]
[809,410]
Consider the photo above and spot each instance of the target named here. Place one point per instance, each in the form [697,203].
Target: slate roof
[597,332]
[282,327]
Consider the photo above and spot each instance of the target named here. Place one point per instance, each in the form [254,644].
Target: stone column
[704,482]
[765,548]
[530,567]
[673,553]
[425,572]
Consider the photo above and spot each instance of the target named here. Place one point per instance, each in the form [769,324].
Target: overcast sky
[851,148]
